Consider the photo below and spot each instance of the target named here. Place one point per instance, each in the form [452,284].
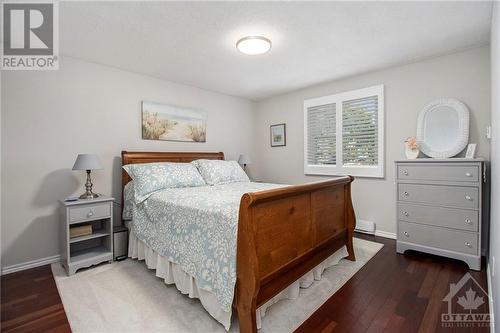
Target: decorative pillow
[128,201]
[151,177]
[221,172]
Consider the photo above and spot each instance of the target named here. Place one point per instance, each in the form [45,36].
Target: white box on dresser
[439,209]
[88,250]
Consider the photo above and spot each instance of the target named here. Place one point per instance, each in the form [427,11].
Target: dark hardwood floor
[394,293]
[391,293]
[30,302]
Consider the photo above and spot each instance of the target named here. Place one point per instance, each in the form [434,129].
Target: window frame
[339,169]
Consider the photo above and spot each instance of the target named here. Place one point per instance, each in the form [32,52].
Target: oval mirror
[443,128]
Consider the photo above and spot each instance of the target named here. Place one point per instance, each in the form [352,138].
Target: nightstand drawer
[90,212]
[442,238]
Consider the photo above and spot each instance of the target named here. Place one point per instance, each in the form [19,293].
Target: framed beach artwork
[278,135]
[173,123]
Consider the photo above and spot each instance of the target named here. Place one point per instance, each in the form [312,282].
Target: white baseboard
[30,264]
[385,234]
[490,298]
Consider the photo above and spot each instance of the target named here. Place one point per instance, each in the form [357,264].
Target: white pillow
[220,172]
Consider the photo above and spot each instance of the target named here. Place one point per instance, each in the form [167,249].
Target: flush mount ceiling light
[253,45]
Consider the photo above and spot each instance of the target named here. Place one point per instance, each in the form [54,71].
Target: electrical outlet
[488,132]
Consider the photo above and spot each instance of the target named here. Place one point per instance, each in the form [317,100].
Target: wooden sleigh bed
[282,233]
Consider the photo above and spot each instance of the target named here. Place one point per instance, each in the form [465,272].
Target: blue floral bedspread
[196,227]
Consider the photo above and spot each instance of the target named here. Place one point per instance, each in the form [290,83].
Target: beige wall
[465,76]
[494,253]
[48,117]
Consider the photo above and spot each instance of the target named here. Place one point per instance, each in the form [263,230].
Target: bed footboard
[284,233]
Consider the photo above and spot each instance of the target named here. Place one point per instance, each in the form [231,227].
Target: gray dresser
[439,207]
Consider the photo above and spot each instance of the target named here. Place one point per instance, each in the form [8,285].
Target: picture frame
[471,150]
[278,135]
[172,123]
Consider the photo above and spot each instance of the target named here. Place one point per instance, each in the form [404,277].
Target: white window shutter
[344,133]
[321,135]
[360,131]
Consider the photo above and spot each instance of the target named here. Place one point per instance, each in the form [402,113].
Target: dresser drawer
[438,216]
[90,212]
[439,173]
[442,238]
[457,196]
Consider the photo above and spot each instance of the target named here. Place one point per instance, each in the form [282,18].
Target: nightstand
[88,249]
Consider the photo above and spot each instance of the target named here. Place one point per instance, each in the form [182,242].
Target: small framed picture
[471,151]
[278,135]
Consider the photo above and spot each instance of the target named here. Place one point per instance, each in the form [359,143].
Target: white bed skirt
[172,273]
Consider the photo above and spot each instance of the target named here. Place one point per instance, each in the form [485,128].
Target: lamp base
[88,189]
[89,195]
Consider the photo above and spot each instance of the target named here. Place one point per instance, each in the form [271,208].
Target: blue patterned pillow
[151,177]
[221,172]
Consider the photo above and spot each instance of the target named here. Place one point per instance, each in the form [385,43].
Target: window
[344,133]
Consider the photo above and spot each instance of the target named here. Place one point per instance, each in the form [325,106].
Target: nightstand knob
[468,197]
[468,244]
[405,213]
[468,174]
[405,172]
[90,214]
[468,221]
[406,194]
[407,234]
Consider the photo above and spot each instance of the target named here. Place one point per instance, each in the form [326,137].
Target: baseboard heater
[364,226]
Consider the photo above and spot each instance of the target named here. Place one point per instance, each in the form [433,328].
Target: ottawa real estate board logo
[30,36]
[467,305]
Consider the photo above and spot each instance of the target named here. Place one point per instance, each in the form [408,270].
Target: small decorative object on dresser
[440,207]
[90,248]
[278,135]
[87,162]
[411,148]
[471,151]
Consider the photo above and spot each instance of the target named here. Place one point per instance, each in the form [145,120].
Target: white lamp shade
[244,159]
[87,162]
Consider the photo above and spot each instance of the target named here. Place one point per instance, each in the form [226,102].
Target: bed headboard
[132,157]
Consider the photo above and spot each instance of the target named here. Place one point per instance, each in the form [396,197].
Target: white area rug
[127,297]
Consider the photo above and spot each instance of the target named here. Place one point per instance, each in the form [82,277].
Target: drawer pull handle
[468,221]
[407,234]
[468,244]
[468,197]
[90,214]
[468,174]
[405,172]
[405,213]
[406,194]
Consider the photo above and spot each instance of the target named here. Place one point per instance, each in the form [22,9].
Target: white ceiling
[194,42]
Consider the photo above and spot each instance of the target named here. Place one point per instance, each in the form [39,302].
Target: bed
[281,234]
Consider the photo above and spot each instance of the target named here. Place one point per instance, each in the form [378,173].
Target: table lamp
[244,160]
[87,162]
